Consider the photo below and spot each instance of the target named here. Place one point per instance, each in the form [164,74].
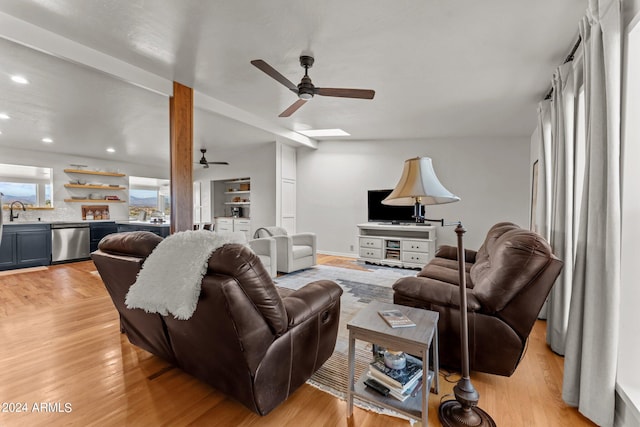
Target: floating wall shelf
[90,172]
[94,201]
[99,187]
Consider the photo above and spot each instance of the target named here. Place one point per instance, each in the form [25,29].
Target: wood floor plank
[60,344]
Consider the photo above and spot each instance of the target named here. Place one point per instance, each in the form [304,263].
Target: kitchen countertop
[146,223]
[10,223]
[132,222]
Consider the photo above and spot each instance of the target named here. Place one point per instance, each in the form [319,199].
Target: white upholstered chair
[294,251]
[265,248]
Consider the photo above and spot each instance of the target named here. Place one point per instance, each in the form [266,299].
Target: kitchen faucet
[11,216]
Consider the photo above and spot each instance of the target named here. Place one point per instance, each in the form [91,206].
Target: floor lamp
[420,186]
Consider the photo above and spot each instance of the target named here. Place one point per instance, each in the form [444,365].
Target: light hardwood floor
[60,346]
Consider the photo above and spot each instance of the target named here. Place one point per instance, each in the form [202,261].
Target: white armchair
[294,252]
[265,248]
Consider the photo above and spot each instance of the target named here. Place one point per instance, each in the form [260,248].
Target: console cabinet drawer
[368,242]
[415,245]
[370,253]
[416,257]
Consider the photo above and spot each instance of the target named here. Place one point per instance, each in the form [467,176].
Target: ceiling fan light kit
[306,89]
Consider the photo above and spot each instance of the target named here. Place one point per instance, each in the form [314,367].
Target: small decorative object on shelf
[95,212]
[395,359]
[396,319]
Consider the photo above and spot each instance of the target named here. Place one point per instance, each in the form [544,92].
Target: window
[30,185]
[150,195]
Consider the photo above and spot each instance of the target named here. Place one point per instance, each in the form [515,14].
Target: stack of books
[402,383]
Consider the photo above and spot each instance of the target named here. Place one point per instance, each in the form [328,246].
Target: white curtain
[562,201]
[542,213]
[592,335]
[543,207]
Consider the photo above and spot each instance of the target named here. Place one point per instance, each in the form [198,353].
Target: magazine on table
[396,319]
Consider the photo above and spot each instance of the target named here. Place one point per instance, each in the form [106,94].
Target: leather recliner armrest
[311,300]
[451,252]
[434,292]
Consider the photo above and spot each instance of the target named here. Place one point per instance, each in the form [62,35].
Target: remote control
[375,385]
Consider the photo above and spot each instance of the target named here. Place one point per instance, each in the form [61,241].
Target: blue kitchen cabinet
[8,249]
[161,230]
[98,230]
[25,245]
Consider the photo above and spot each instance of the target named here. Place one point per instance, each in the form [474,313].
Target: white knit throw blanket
[169,281]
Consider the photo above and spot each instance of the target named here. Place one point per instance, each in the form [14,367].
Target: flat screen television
[377,212]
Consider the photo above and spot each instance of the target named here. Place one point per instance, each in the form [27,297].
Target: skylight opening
[20,80]
[319,133]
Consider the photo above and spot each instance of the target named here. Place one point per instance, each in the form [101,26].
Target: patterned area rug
[360,288]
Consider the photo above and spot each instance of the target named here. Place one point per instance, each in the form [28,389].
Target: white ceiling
[439,68]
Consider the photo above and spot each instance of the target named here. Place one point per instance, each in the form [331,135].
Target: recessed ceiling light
[314,133]
[47,140]
[111,150]
[20,79]
[4,116]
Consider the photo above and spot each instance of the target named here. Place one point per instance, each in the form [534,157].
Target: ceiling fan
[203,161]
[306,90]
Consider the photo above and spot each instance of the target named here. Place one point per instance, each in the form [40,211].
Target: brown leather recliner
[508,280]
[244,338]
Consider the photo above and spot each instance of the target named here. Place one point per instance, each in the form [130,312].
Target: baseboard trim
[627,413]
[343,254]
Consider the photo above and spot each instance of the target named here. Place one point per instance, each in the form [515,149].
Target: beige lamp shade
[419,183]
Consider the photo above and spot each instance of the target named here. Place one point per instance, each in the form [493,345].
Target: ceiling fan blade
[345,93]
[218,163]
[205,165]
[292,108]
[271,72]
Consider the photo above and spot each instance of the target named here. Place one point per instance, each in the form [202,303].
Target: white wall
[628,373]
[259,164]
[491,176]
[71,211]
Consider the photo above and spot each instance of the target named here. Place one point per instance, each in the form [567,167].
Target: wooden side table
[368,326]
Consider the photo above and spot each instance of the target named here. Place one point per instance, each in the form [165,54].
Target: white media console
[409,246]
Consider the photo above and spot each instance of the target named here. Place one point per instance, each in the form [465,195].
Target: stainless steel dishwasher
[69,241]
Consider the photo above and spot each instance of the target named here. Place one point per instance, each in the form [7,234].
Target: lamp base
[452,414]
